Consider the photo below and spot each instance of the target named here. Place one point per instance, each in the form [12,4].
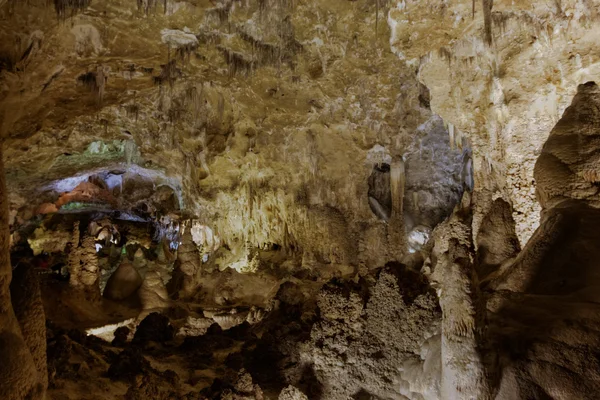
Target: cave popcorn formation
[291,199]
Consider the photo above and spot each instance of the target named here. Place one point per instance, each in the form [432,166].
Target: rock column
[83,263]
[18,375]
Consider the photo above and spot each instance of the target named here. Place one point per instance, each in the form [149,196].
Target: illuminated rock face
[325,199]
[503,81]
[256,115]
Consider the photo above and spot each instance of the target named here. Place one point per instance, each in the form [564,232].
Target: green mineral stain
[99,153]
[77,206]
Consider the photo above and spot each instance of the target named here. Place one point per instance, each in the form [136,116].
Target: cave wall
[264,122]
[503,82]
[18,365]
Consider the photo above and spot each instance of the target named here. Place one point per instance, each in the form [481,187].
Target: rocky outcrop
[568,164]
[252,148]
[155,327]
[48,241]
[86,192]
[360,347]
[552,283]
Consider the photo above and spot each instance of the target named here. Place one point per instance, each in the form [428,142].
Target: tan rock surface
[325,199]
[123,282]
[505,95]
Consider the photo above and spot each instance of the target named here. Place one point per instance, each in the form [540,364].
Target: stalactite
[169,73]
[266,53]
[68,8]
[146,5]
[183,52]
[221,12]
[487,21]
[132,111]
[237,62]
[101,80]
[95,81]
[415,196]
[376,18]
[397,183]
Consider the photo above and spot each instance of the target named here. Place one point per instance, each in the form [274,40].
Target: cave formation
[296,199]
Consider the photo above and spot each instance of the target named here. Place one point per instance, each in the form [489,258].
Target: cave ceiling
[299,199]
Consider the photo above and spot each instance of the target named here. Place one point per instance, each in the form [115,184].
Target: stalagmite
[123,282]
[83,262]
[463,373]
[74,262]
[188,263]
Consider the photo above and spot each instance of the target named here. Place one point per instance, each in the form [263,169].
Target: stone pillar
[83,263]
[73,261]
[18,375]
[188,262]
[463,369]
[29,310]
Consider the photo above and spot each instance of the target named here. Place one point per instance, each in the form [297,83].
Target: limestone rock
[124,282]
[18,374]
[48,241]
[292,393]
[29,310]
[371,199]
[155,327]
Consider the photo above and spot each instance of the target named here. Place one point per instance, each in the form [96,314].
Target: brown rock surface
[123,282]
[329,199]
